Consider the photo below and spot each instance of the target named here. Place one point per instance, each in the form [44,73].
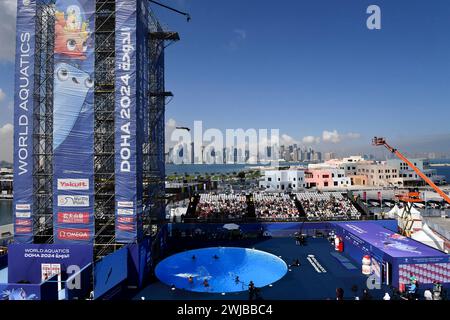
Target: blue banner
[110,271]
[73,122]
[128,124]
[36,263]
[23,121]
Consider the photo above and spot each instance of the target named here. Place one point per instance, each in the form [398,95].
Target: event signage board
[129,109]
[35,263]
[73,121]
[24,106]
[391,243]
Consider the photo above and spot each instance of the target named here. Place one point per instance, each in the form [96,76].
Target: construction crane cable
[382,142]
[187,15]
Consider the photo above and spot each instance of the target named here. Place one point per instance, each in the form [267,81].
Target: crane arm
[187,15]
[382,141]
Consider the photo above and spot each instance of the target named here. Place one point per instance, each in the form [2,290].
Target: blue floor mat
[344,261]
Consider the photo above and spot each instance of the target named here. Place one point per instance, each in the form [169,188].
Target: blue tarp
[110,271]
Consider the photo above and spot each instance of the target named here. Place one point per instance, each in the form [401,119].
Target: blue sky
[305,67]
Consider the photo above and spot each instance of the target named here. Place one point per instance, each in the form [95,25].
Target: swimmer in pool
[191,280]
[193,257]
[205,283]
[237,279]
[216,257]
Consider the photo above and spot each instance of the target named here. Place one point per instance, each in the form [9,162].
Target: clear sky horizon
[310,68]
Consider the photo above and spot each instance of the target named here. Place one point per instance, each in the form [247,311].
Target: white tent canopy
[428,237]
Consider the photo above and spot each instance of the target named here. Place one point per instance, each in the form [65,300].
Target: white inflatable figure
[366,265]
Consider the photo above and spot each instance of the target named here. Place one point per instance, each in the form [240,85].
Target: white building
[340,179]
[283,180]
[408,175]
[380,174]
[351,167]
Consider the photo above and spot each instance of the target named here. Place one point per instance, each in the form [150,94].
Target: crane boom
[382,142]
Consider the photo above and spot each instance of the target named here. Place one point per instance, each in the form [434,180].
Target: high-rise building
[329,155]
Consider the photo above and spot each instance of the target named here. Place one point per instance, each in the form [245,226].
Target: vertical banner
[128,124]
[143,101]
[73,122]
[23,121]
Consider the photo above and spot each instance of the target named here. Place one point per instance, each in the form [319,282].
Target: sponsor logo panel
[73,184]
[25,215]
[73,201]
[23,230]
[125,219]
[125,212]
[125,204]
[23,207]
[23,222]
[73,217]
[125,227]
[73,234]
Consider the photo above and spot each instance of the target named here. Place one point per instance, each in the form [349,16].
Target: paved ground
[302,282]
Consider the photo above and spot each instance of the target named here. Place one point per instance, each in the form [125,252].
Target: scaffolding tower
[104,96]
[104,118]
[154,155]
[43,119]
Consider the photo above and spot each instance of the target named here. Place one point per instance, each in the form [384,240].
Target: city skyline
[315,72]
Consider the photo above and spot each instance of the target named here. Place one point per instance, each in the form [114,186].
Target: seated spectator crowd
[275,206]
[327,206]
[221,206]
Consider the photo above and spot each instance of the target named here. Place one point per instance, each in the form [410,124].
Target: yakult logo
[73,184]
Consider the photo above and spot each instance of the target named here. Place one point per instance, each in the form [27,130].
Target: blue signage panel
[390,243]
[36,263]
[23,121]
[128,125]
[73,122]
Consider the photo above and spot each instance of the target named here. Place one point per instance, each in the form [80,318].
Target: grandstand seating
[275,206]
[221,206]
[327,206]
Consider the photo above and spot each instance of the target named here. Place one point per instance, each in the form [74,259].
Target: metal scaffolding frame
[43,119]
[104,108]
[104,114]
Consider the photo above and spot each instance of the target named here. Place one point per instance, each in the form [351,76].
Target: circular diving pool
[220,266]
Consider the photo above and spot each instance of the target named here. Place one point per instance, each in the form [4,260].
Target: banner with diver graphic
[128,125]
[23,121]
[73,122]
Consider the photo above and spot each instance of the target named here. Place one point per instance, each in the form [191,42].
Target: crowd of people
[327,206]
[221,206]
[317,206]
[275,206]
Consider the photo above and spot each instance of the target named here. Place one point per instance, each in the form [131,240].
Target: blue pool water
[248,264]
